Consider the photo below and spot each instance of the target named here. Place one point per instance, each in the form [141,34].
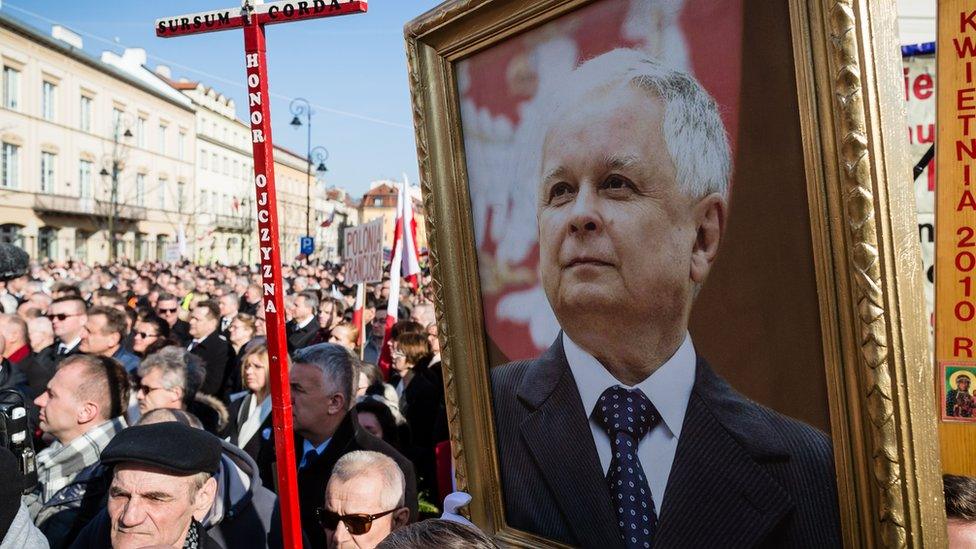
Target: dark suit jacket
[301,337]
[219,358]
[743,475]
[349,437]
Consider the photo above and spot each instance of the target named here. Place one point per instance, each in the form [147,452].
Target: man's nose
[584,215]
[132,514]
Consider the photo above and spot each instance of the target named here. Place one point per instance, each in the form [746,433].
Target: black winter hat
[167,445]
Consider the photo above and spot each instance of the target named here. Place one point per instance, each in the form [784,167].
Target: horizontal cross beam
[266,14]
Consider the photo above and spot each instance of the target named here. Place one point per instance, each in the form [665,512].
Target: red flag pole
[269,246]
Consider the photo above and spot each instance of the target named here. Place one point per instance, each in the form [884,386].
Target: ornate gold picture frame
[819,274]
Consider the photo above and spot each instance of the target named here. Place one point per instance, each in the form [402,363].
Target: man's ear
[401,517]
[337,404]
[87,412]
[710,216]
[204,499]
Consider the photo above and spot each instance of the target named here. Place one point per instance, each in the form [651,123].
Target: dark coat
[219,358]
[181,332]
[421,405]
[38,369]
[349,437]
[743,475]
[301,337]
[97,535]
[253,446]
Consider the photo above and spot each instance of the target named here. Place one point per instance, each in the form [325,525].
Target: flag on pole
[357,313]
[405,239]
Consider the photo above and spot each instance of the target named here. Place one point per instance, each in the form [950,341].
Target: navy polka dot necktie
[627,416]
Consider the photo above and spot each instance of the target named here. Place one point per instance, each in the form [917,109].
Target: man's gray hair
[364,462]
[693,129]
[178,368]
[311,299]
[335,363]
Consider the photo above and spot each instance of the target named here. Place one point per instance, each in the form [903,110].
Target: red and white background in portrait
[504,89]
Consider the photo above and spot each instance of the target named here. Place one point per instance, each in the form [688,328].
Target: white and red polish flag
[406,234]
[357,314]
[405,263]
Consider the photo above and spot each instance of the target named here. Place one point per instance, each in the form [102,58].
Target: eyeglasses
[146,389]
[356,524]
[61,316]
[167,311]
[144,335]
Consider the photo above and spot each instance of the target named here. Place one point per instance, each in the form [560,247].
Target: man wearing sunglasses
[68,315]
[168,308]
[364,501]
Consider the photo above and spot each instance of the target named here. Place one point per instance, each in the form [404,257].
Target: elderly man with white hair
[364,501]
[620,435]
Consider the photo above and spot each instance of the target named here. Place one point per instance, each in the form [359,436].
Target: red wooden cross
[252,18]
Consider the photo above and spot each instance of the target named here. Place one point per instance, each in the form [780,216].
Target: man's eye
[615,182]
[559,191]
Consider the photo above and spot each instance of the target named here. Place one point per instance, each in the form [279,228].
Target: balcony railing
[53,203]
[231,223]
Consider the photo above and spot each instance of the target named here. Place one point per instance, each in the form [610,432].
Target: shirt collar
[306,446]
[668,388]
[301,325]
[72,344]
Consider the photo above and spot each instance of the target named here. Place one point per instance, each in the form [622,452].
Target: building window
[203,159]
[180,196]
[10,172]
[162,139]
[47,172]
[139,247]
[226,166]
[85,179]
[140,189]
[377,202]
[47,100]
[11,88]
[10,234]
[85,113]
[81,245]
[180,144]
[215,162]
[141,132]
[116,130]
[47,242]
[203,202]
[163,184]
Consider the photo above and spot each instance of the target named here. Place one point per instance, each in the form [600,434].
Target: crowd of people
[149,393]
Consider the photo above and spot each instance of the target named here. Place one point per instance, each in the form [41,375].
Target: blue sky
[354,64]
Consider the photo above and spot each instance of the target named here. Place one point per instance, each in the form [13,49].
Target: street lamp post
[116,161]
[300,106]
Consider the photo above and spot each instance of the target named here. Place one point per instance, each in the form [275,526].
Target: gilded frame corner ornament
[882,412]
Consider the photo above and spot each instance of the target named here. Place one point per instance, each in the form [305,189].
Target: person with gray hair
[326,428]
[620,432]
[364,500]
[171,378]
[304,325]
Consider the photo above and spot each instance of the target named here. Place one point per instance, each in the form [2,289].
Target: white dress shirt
[301,325]
[668,389]
[65,347]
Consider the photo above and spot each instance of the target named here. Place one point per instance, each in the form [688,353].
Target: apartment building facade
[88,151]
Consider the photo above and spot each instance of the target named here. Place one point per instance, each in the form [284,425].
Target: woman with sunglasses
[250,411]
[150,334]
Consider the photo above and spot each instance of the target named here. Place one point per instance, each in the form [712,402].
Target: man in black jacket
[303,328]
[326,429]
[214,349]
[168,309]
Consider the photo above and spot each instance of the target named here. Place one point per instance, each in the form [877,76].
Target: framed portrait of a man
[679,298]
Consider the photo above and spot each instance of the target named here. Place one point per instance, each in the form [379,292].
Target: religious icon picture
[958,403]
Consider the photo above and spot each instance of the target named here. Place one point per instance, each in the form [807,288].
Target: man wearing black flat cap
[162,487]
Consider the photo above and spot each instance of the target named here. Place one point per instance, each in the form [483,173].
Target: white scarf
[254,420]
